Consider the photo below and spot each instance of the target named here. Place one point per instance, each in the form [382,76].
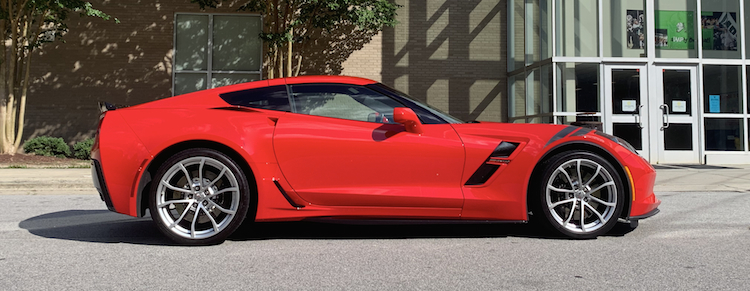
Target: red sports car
[327,147]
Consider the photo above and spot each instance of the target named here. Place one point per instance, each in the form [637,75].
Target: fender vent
[288,199]
[498,157]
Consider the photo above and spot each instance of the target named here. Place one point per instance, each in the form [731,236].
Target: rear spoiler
[106,106]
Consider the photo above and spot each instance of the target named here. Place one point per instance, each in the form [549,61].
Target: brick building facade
[449,53]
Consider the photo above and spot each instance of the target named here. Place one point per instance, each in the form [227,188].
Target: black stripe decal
[561,134]
[288,199]
[582,132]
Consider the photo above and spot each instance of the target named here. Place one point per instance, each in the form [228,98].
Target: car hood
[520,132]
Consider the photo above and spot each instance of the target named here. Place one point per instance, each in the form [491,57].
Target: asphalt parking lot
[699,241]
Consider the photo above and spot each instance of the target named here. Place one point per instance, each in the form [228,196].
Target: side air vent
[498,158]
[288,199]
[504,149]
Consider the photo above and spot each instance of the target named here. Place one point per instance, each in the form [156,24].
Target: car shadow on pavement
[319,230]
[357,230]
[103,226]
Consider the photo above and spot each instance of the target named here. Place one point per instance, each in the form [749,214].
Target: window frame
[419,108]
[229,97]
[208,73]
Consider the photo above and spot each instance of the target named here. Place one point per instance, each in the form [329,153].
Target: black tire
[562,193]
[199,197]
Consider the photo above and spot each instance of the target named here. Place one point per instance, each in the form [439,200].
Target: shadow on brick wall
[451,54]
[326,52]
[131,63]
[126,63]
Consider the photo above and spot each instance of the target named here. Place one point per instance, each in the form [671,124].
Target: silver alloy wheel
[197,197]
[581,195]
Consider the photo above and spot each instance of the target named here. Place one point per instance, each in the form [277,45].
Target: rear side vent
[498,157]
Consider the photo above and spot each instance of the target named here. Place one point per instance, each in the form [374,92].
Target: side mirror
[408,118]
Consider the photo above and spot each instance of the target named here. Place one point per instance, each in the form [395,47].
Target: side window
[271,98]
[343,101]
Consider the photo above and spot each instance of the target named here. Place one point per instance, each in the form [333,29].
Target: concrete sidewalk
[669,178]
[683,178]
[46,181]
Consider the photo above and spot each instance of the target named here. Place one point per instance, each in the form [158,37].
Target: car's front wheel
[199,197]
[581,196]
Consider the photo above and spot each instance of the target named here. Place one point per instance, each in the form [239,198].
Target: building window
[676,29]
[720,26]
[577,28]
[722,89]
[724,134]
[214,50]
[624,28]
[529,32]
[724,116]
[577,92]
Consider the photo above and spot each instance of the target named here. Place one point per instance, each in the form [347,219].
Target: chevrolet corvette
[345,148]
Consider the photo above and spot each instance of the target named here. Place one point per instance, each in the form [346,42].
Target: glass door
[625,105]
[674,112]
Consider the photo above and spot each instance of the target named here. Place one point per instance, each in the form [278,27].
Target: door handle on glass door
[665,116]
[638,117]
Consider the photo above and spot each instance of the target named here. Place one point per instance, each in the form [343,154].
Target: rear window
[271,98]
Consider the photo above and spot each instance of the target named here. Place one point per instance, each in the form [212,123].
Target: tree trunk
[272,63]
[11,74]
[280,64]
[33,35]
[22,105]
[289,53]
[3,81]
[299,64]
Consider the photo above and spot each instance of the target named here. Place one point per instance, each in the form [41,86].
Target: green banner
[675,30]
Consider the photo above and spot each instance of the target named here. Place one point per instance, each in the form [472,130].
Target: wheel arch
[153,166]
[538,172]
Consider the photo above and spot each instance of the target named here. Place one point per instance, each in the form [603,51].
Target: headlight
[627,145]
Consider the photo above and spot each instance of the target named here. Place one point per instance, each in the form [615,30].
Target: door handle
[638,117]
[664,116]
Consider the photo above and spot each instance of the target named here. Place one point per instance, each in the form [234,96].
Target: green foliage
[52,14]
[368,15]
[82,149]
[47,146]
[26,25]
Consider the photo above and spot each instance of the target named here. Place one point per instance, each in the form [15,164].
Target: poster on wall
[719,31]
[636,26]
[674,30]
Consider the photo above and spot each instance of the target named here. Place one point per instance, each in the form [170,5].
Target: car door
[340,147]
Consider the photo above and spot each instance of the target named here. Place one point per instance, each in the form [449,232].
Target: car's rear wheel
[581,196]
[199,196]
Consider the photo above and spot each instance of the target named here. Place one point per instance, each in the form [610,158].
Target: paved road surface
[71,242]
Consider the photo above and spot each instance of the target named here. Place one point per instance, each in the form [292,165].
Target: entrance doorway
[656,112]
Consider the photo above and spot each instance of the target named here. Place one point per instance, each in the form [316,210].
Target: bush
[82,149]
[47,146]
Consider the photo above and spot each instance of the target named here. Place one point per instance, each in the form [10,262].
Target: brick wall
[126,63]
[449,53]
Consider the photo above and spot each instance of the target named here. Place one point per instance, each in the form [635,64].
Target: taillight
[103,108]
[95,146]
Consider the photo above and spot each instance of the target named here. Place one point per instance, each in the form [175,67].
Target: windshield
[420,108]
